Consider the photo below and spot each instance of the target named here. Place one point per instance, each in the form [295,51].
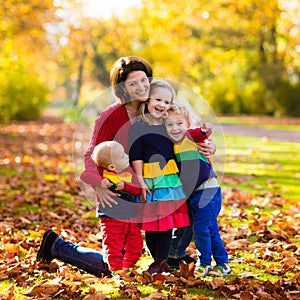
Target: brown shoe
[155,266]
[159,266]
[165,268]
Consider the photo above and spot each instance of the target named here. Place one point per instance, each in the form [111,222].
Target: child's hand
[143,195]
[105,183]
[120,185]
[145,190]
[207,148]
[205,127]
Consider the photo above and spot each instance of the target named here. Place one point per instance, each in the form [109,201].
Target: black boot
[44,252]
[188,259]
[174,262]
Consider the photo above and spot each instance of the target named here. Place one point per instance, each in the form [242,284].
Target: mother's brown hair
[120,71]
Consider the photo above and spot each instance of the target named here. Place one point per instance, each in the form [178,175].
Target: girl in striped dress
[152,157]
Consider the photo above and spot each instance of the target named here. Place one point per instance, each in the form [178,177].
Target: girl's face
[176,126]
[159,102]
[137,85]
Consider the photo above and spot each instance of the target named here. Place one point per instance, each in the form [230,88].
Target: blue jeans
[206,229]
[86,259]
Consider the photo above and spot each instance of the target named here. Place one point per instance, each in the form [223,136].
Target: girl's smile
[159,102]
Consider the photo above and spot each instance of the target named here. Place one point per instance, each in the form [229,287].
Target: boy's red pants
[123,241]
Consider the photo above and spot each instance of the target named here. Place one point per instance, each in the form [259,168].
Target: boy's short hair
[103,153]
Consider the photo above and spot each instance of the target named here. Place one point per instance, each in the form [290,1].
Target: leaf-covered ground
[38,190]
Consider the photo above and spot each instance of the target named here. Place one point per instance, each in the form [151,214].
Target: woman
[130,77]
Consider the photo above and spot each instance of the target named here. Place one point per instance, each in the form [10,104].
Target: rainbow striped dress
[166,205]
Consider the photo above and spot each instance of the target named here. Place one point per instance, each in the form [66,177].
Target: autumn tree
[242,56]
[22,58]
[253,55]
[239,55]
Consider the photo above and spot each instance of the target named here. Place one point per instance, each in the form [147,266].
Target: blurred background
[242,56]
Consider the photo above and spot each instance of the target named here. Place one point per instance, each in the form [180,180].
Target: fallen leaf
[216,283]
[290,262]
[41,288]
[96,296]
[157,296]
[246,295]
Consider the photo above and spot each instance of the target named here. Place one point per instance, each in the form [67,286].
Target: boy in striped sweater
[201,186]
[122,238]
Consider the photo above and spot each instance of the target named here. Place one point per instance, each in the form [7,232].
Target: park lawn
[258,221]
[263,165]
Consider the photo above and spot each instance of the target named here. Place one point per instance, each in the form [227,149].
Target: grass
[264,165]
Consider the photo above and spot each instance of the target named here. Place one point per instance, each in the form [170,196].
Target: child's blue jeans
[205,206]
[206,229]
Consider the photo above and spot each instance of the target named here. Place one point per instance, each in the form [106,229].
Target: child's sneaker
[202,271]
[125,274]
[130,272]
[117,275]
[219,270]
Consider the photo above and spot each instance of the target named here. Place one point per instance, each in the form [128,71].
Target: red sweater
[112,124]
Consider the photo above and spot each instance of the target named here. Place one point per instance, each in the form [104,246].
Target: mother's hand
[207,148]
[105,198]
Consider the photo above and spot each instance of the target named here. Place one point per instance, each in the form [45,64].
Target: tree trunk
[79,81]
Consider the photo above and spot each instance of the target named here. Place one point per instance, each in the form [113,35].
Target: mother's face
[137,86]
